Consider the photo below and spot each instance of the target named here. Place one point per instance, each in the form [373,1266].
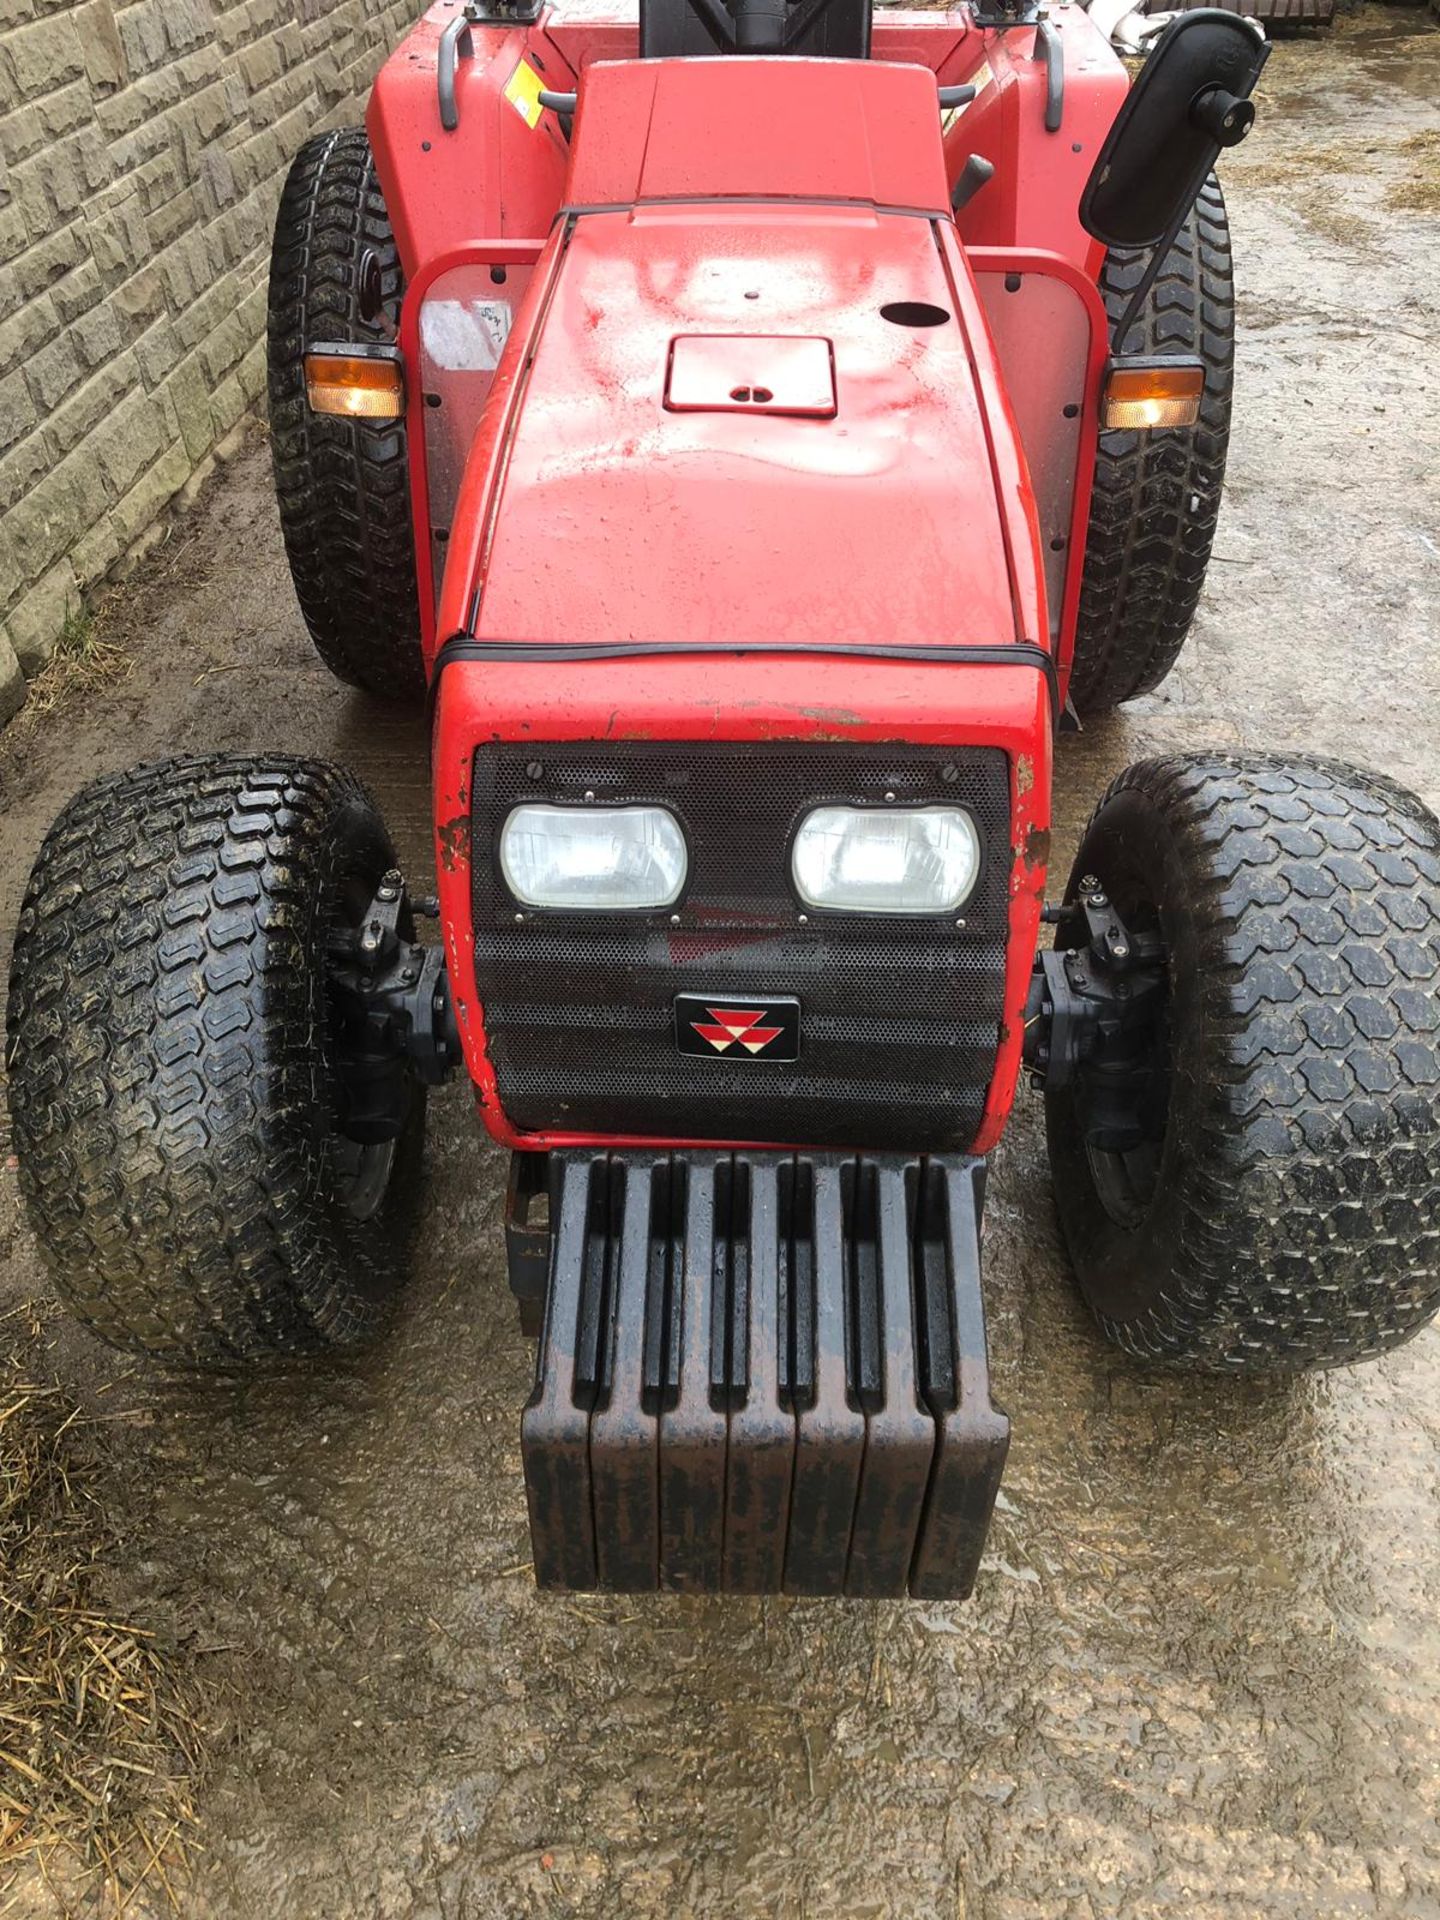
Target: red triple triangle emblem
[734,1024]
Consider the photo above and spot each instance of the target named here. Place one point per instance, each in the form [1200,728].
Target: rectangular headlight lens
[886,860]
[593,858]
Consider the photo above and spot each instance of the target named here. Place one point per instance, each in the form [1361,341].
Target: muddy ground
[1202,1670]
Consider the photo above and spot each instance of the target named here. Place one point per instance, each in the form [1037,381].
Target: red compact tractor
[755,431]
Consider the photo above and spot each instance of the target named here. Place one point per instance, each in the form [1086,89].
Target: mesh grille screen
[899,1018]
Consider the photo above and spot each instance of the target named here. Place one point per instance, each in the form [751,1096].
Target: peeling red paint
[453,840]
[1037,847]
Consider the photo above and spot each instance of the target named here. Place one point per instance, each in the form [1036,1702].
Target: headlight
[886,860]
[593,858]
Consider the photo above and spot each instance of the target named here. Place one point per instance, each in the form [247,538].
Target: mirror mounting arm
[1223,115]
[1146,281]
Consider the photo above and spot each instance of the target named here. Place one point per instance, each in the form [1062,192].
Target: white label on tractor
[465,336]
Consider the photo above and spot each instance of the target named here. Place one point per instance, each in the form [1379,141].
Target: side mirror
[1192,98]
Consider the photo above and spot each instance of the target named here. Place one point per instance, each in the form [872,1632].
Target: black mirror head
[1192,98]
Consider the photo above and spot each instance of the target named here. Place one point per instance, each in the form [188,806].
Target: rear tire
[1283,1209]
[343,486]
[1157,495]
[177,1072]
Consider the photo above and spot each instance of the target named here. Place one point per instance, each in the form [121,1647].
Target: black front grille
[899,1018]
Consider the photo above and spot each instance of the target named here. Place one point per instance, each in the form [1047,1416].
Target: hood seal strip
[1014,653]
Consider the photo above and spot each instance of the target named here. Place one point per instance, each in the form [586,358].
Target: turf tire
[173,1069]
[1294,1220]
[342,485]
[1156,497]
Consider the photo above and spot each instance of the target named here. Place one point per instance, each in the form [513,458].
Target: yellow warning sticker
[523,90]
[980,79]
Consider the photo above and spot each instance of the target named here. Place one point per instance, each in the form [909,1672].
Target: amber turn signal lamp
[358,383]
[1153,392]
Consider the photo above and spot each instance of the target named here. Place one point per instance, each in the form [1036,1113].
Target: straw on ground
[100,1726]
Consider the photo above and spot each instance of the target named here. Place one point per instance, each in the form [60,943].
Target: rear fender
[499,171]
[1033,198]
[1050,335]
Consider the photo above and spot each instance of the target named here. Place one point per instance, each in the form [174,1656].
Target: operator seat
[677,29]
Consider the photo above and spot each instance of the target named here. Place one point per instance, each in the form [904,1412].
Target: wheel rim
[362,1166]
[1135,1072]
[364,1174]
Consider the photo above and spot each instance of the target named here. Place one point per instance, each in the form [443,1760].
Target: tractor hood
[742,422]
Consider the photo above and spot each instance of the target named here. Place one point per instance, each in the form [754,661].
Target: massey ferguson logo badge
[728,1027]
[760,1029]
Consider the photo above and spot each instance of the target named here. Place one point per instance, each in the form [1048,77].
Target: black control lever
[973,176]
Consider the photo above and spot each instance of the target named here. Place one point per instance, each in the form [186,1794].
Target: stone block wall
[142,150]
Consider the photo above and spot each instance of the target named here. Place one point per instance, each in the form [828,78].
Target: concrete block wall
[142,150]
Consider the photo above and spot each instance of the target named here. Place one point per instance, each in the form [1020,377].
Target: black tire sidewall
[1290,1219]
[1131,624]
[172,1063]
[341,485]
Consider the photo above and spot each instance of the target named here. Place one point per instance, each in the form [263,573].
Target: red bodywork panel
[749,205]
[744,697]
[735,129]
[495,178]
[740,516]
[1033,198]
